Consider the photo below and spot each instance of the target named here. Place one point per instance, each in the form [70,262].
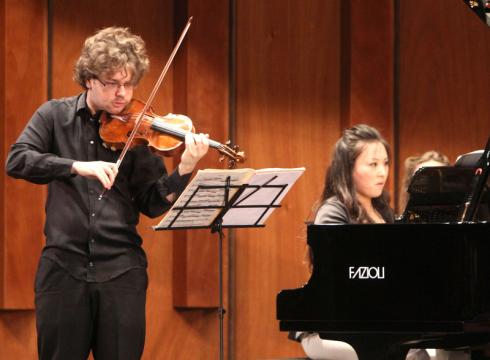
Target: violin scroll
[231,153]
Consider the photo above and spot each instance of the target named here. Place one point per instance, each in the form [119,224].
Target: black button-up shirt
[93,239]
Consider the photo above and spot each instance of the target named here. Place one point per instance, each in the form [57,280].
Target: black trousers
[74,316]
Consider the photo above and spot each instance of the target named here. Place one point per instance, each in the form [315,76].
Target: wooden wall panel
[444,86]
[24,90]
[369,64]
[288,115]
[201,91]
[18,335]
[368,68]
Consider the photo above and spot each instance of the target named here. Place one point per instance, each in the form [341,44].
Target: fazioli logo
[366,272]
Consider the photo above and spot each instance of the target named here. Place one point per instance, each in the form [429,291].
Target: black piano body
[386,288]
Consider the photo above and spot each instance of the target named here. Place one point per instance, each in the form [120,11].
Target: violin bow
[151,97]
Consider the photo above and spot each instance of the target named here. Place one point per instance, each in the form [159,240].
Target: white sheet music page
[194,198]
[266,187]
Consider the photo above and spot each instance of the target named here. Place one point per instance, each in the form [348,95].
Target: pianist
[353,194]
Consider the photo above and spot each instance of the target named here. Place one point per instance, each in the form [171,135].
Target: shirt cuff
[61,167]
[176,183]
[297,335]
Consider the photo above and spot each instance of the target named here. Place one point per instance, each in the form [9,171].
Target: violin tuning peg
[105,145]
[231,163]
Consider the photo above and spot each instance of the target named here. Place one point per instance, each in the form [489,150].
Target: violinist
[90,286]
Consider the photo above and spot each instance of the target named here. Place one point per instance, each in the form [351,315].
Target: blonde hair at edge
[412,164]
[109,50]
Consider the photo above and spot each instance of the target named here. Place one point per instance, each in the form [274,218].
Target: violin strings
[147,120]
[150,120]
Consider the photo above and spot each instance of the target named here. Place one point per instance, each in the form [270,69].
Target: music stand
[451,194]
[244,198]
[478,185]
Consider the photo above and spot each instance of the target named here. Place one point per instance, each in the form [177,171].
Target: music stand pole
[218,227]
[473,198]
[221,310]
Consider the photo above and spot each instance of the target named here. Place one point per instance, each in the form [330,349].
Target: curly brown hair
[109,50]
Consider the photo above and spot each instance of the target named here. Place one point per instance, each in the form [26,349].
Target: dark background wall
[283,78]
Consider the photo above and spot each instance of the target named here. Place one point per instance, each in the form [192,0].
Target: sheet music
[213,198]
[199,207]
[261,196]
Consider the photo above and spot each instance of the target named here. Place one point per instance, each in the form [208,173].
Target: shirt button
[91,264]
[93,214]
[91,142]
[92,240]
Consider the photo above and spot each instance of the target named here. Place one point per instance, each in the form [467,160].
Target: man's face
[110,92]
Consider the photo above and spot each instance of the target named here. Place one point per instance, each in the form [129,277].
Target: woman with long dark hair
[353,194]
[354,184]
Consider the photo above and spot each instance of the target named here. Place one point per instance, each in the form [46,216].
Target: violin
[163,134]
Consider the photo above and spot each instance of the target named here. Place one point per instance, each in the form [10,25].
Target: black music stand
[459,193]
[242,200]
[478,185]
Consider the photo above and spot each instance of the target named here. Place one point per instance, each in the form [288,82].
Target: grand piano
[423,282]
